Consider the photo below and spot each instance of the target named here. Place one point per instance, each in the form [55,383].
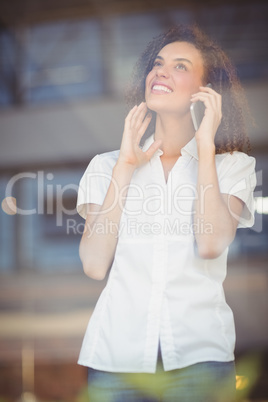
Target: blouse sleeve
[237,177]
[93,186]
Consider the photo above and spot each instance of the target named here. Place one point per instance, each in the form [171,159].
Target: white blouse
[158,289]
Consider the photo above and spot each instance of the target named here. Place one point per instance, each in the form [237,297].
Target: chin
[161,106]
[157,105]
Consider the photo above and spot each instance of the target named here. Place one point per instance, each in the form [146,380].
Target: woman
[160,217]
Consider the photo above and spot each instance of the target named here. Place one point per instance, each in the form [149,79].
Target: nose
[162,71]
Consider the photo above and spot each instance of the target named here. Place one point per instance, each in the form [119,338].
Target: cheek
[185,83]
[148,79]
[148,82]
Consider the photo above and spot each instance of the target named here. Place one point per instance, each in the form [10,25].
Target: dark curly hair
[219,71]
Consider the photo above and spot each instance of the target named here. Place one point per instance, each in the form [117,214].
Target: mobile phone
[197,110]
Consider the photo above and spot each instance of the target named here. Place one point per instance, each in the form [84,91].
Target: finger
[207,89]
[207,92]
[139,115]
[210,95]
[207,99]
[153,148]
[138,118]
[128,120]
[130,114]
[144,125]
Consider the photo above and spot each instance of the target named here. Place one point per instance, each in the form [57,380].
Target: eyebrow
[177,59]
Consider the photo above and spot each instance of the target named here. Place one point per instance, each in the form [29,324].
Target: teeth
[161,88]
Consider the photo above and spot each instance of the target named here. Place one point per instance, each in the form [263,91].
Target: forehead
[185,50]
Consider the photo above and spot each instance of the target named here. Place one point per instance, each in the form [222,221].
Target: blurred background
[64,65]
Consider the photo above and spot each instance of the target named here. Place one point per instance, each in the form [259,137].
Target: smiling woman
[178,71]
[162,330]
[218,70]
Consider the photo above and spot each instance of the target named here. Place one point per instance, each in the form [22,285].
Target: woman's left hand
[205,135]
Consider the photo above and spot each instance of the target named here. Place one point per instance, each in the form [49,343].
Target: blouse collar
[190,148]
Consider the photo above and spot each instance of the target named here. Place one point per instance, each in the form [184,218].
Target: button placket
[158,277]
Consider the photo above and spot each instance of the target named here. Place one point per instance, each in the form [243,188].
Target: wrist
[206,150]
[125,167]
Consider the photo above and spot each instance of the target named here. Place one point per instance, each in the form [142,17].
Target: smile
[161,88]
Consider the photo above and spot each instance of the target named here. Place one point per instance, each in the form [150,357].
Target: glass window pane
[63,60]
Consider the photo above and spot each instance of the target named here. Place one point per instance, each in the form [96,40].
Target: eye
[156,63]
[181,66]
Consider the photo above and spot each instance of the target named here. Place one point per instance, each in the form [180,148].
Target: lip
[158,90]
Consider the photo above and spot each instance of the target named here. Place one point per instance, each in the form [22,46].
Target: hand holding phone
[197,110]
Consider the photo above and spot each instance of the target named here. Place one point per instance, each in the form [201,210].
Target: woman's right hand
[136,124]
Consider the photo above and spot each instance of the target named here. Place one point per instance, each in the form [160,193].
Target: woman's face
[177,73]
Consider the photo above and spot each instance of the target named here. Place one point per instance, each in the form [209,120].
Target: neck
[175,132]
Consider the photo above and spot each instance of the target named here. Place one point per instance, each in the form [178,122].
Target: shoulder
[110,156]
[107,157]
[236,172]
[103,162]
[236,159]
